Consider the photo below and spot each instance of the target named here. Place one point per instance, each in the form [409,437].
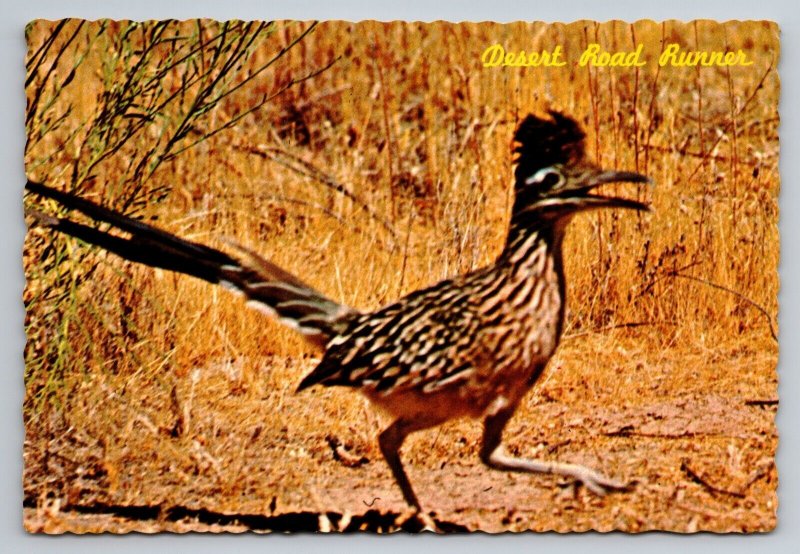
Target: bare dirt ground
[227,452]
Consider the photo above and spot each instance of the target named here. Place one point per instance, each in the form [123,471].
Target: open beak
[583,193]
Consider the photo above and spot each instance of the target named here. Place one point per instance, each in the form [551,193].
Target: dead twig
[760,402]
[697,478]
[737,294]
[629,325]
[307,169]
[731,122]
[340,453]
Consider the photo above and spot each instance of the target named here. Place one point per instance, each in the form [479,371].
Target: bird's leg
[493,455]
[390,440]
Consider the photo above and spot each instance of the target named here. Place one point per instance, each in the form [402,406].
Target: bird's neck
[526,244]
[530,228]
[533,252]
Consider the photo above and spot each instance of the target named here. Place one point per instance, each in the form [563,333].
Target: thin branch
[290,200]
[737,294]
[306,169]
[39,56]
[32,111]
[630,325]
[236,118]
[655,280]
[697,478]
[729,125]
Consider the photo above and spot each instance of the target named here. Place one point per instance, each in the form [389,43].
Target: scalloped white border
[12,136]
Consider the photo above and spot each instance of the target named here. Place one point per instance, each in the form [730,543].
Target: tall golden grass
[418,135]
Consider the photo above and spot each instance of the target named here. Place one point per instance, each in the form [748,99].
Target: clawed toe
[601,485]
[428,523]
[425,520]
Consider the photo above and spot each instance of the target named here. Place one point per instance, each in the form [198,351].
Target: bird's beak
[589,200]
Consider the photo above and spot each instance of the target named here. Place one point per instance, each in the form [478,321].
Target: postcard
[379,277]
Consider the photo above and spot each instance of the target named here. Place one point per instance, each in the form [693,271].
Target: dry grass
[145,388]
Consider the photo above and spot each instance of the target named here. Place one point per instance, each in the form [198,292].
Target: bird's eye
[548,177]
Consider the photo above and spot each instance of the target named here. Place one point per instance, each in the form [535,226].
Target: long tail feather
[266,286]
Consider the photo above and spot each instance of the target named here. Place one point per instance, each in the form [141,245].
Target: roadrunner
[471,346]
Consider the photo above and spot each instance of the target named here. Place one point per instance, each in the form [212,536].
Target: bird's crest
[546,142]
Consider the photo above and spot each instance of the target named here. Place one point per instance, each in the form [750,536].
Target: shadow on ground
[371,521]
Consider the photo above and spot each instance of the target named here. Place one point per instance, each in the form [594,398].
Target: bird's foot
[598,483]
[419,518]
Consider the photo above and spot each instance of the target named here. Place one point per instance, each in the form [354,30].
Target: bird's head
[554,180]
